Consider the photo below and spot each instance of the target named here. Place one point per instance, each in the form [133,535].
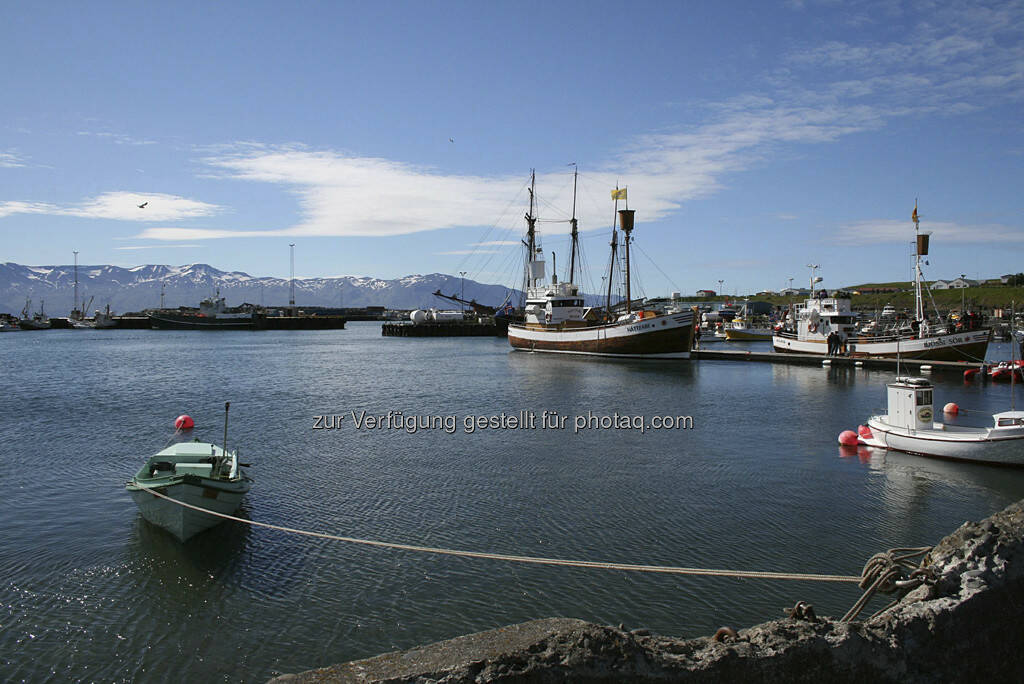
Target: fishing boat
[748,327]
[33,321]
[197,473]
[908,425]
[213,314]
[104,319]
[556,319]
[812,322]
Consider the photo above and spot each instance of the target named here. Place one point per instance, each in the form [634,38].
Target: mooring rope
[601,565]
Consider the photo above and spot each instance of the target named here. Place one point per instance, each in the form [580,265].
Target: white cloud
[118,138]
[121,206]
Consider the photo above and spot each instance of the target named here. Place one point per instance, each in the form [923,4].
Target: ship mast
[574,232]
[626,223]
[921,250]
[534,266]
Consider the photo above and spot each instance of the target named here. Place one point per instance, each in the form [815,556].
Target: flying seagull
[143,205]
[451,140]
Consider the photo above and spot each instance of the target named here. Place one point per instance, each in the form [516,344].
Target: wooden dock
[911,365]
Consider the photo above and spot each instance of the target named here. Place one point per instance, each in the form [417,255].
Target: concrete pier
[911,365]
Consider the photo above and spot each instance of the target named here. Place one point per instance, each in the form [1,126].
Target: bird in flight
[451,140]
[143,205]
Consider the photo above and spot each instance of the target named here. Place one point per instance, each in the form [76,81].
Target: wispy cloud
[467,251]
[118,138]
[121,206]
[9,160]
[886,231]
[160,246]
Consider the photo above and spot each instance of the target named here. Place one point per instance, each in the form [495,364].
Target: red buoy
[848,438]
[970,373]
[951,409]
[864,431]
[184,422]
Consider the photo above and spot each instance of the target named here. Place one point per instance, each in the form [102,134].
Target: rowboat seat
[202,469]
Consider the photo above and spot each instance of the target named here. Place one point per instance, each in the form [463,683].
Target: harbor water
[754,480]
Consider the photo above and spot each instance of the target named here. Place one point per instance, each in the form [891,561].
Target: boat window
[1006,422]
[924,397]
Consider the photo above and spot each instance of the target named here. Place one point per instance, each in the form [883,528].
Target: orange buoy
[184,422]
[864,431]
[951,409]
[970,373]
[848,438]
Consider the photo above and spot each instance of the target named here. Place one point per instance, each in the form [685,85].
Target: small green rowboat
[201,474]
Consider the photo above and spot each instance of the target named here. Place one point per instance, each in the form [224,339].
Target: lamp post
[963,294]
[720,293]
[463,296]
[75,311]
[291,281]
[790,283]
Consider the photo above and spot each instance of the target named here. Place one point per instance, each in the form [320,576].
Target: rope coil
[884,573]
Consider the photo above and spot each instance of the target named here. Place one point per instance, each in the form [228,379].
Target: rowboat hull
[184,522]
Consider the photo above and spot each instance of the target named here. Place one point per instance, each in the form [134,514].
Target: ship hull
[190,322]
[747,334]
[661,337]
[969,346]
[961,444]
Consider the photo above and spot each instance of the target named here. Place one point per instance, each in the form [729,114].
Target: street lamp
[790,283]
[720,287]
[463,274]
[963,293]
[291,282]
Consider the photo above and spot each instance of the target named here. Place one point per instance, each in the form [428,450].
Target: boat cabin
[1009,419]
[817,318]
[910,403]
[554,304]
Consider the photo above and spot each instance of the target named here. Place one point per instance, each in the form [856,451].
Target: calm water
[90,591]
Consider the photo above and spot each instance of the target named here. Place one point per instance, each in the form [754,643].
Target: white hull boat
[909,426]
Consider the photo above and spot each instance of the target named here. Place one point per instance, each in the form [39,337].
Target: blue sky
[754,137]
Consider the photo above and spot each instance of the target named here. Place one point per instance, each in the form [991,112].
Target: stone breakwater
[966,625]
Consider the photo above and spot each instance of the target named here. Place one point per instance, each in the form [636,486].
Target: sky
[393,138]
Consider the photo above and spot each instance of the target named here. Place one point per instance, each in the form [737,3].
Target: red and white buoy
[184,422]
[848,438]
[864,432]
[951,408]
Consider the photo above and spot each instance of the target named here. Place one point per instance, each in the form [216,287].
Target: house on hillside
[705,293]
[956,284]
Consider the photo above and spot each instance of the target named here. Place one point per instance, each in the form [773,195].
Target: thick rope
[630,567]
[883,573]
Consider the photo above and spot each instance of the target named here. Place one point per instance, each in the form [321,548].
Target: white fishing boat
[909,425]
[556,319]
[199,474]
[813,321]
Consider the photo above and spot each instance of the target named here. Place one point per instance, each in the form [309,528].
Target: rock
[965,626]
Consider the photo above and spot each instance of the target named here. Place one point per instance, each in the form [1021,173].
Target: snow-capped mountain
[139,287]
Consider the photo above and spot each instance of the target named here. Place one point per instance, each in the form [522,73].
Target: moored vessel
[33,321]
[200,474]
[213,314]
[909,425]
[556,319]
[817,318]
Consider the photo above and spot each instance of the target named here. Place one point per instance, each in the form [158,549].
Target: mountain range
[139,287]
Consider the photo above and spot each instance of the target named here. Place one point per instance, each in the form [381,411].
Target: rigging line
[679,289]
[492,226]
[601,565]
